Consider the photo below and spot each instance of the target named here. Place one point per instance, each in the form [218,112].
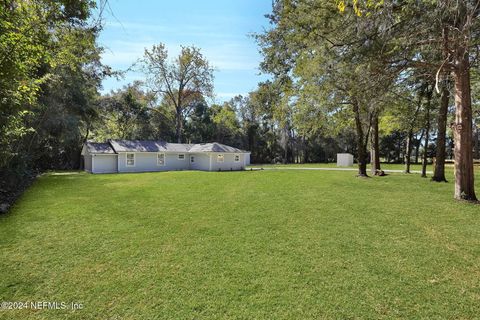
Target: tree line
[50,74]
[405,62]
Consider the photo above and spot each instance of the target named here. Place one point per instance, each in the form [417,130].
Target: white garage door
[104,163]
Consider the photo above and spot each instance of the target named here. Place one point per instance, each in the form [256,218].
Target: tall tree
[450,30]
[184,81]
[124,114]
[375,146]
[50,73]
[199,126]
[336,54]
[262,104]
[37,39]
[427,127]
[226,125]
[439,166]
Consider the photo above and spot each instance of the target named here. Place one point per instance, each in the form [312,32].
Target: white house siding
[228,162]
[202,161]
[147,161]
[87,161]
[247,158]
[173,163]
[104,163]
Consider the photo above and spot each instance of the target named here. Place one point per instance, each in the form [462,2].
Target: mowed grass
[241,245]
[384,166]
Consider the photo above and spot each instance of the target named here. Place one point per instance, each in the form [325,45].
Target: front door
[192,161]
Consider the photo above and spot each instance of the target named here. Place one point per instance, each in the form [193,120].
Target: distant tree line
[135,113]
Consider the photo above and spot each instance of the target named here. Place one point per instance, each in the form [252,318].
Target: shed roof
[97,147]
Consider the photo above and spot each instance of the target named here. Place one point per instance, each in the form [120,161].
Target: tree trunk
[178,127]
[361,145]
[408,151]
[252,144]
[427,136]
[375,149]
[398,153]
[285,146]
[305,150]
[425,152]
[79,157]
[292,147]
[417,147]
[477,142]
[439,170]
[462,129]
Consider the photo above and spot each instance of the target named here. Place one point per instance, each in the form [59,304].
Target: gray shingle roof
[115,146]
[179,147]
[214,147]
[96,147]
[148,146]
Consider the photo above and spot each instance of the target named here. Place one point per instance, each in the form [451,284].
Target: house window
[220,158]
[130,159]
[181,157]
[192,159]
[237,158]
[160,159]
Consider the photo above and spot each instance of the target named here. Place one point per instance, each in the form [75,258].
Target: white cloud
[230,94]
[224,56]
[134,26]
[221,97]
[224,50]
[186,31]
[234,57]
[125,53]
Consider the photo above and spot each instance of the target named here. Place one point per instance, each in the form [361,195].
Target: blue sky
[220,28]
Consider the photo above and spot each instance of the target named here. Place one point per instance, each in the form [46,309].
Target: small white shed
[99,158]
[344,160]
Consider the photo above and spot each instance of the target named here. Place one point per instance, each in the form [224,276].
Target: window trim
[218,158]
[164,159]
[126,159]
[235,157]
[181,154]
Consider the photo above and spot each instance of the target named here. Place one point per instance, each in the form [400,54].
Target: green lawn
[385,166]
[241,245]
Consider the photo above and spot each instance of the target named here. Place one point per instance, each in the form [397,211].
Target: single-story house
[143,156]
